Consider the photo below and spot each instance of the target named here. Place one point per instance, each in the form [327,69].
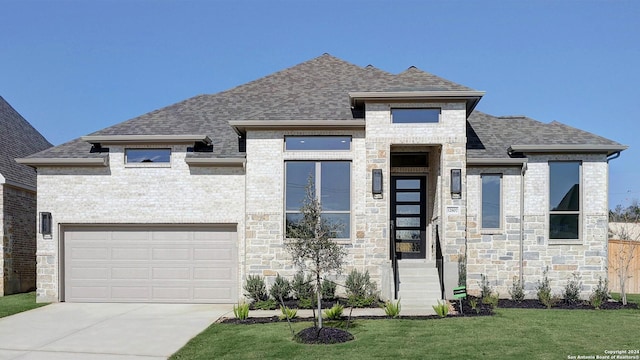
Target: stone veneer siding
[497,254]
[134,194]
[18,247]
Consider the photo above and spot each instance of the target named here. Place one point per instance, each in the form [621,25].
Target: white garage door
[143,264]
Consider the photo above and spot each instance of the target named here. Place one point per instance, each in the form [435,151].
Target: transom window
[416,115]
[137,156]
[317,142]
[331,182]
[491,201]
[564,200]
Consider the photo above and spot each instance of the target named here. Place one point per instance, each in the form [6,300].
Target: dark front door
[408,213]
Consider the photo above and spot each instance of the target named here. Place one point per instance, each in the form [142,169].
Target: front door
[409,215]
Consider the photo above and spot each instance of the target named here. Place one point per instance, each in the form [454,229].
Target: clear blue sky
[74,67]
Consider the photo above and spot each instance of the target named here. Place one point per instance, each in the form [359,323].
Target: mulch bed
[326,335]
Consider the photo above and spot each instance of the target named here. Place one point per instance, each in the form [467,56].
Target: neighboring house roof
[313,91]
[17,139]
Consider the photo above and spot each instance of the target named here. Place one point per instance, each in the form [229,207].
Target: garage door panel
[120,264]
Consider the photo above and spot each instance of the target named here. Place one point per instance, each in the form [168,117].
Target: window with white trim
[564,200]
[491,212]
[415,115]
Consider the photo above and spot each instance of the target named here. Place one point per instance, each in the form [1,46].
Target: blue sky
[74,67]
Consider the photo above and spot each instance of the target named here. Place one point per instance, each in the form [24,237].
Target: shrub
[392,309]
[302,288]
[517,290]
[268,304]
[600,293]
[255,288]
[442,309]
[473,302]
[485,287]
[280,289]
[491,300]
[328,289]
[241,311]
[359,285]
[335,313]
[287,313]
[572,289]
[307,303]
[544,291]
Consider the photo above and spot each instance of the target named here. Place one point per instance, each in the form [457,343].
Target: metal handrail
[439,261]
[394,259]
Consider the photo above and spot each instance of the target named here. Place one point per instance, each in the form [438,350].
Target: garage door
[160,264]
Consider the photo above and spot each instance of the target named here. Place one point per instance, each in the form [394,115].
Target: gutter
[241,126]
[36,162]
[563,148]
[613,156]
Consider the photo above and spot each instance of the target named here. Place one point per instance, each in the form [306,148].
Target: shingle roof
[313,90]
[17,139]
[490,136]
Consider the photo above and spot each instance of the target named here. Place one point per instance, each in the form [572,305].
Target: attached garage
[150,264]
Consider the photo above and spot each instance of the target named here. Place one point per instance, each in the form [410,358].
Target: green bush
[600,294]
[335,313]
[288,313]
[241,311]
[280,289]
[268,304]
[544,291]
[473,302]
[392,309]
[442,309]
[572,289]
[517,290]
[307,303]
[328,290]
[255,288]
[359,285]
[491,300]
[485,287]
[303,288]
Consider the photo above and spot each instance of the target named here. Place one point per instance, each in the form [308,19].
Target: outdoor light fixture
[376,184]
[45,223]
[456,182]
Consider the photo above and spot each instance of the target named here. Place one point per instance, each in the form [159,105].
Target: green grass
[13,304]
[634,298]
[510,334]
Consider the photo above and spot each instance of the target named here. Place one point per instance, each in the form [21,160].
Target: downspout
[613,156]
[522,172]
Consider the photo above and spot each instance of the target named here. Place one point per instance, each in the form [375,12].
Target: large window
[406,116]
[564,200]
[133,156]
[491,201]
[331,181]
[317,143]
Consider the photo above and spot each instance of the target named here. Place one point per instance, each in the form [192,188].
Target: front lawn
[510,334]
[13,304]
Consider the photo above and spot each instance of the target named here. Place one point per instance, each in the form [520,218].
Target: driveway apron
[104,331]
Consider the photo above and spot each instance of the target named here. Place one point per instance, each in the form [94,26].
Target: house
[17,202]
[182,203]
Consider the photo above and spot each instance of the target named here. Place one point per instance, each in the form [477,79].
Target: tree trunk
[319,299]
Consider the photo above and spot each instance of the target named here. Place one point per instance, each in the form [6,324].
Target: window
[491,201]
[317,142]
[405,116]
[134,156]
[332,186]
[564,200]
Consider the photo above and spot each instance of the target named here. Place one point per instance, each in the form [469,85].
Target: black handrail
[394,259]
[439,261]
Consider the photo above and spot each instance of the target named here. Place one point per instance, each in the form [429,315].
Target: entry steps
[419,286]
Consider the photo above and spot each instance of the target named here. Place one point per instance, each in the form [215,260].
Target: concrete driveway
[104,331]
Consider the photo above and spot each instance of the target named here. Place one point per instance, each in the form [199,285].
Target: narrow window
[406,116]
[491,201]
[564,200]
[317,143]
[331,181]
[133,156]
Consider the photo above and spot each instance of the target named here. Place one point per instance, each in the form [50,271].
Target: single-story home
[17,201]
[183,203]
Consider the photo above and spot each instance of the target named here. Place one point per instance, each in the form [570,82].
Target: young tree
[627,230]
[310,245]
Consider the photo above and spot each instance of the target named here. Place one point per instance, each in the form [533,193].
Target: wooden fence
[633,283]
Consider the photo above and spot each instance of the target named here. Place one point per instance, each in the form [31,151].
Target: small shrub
[544,290]
[280,289]
[287,313]
[303,287]
[392,309]
[491,300]
[442,309]
[269,304]
[474,305]
[328,289]
[600,294]
[572,289]
[255,288]
[241,311]
[359,284]
[517,290]
[358,302]
[307,303]
[335,313]
[485,287]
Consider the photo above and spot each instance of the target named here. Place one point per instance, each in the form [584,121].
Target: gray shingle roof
[313,90]
[17,139]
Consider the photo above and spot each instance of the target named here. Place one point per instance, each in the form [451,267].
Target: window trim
[501,204]
[317,189]
[579,212]
[439,109]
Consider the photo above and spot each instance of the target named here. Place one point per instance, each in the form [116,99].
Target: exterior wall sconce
[456,182]
[45,223]
[376,183]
